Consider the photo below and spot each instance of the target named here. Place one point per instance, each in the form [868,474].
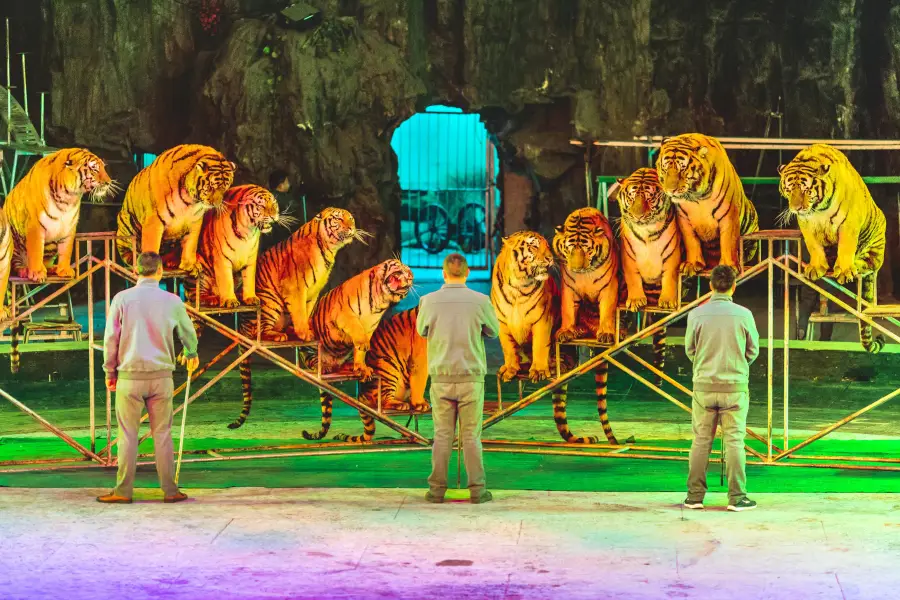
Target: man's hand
[111,384]
[190,363]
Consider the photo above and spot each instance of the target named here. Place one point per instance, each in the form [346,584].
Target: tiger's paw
[251,301]
[844,274]
[229,302]
[668,302]
[692,267]
[64,271]
[303,334]
[815,271]
[508,371]
[536,373]
[606,337]
[419,405]
[636,303]
[566,334]
[274,336]
[36,275]
[191,267]
[363,372]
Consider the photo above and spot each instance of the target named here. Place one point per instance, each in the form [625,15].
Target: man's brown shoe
[176,498]
[112,498]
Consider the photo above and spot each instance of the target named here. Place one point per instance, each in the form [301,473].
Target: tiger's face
[641,198]
[583,241]
[337,227]
[531,255]
[213,177]
[85,173]
[261,208]
[684,168]
[806,186]
[396,279]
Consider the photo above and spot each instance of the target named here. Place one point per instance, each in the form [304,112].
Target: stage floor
[340,543]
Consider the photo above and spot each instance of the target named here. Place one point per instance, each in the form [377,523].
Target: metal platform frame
[776,452]
[88,264]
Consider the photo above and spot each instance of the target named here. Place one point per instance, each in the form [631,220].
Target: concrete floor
[271,543]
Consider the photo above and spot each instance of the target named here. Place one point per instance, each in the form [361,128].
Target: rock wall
[143,74]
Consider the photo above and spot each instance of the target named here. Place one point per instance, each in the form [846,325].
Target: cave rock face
[132,75]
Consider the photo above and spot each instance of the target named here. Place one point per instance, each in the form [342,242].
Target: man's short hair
[722,278]
[276,178]
[148,263]
[455,265]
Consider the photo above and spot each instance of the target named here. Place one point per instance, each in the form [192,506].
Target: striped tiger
[398,356]
[586,249]
[289,278]
[166,201]
[524,297]
[712,210]
[839,220]
[347,317]
[651,249]
[229,243]
[43,210]
[588,254]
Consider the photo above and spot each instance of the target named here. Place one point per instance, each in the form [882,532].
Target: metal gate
[447,167]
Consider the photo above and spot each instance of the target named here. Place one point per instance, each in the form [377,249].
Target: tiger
[166,202]
[526,300]
[839,221]
[586,248]
[524,297]
[710,204]
[289,278]
[650,249]
[43,209]
[229,243]
[398,357]
[291,275]
[346,319]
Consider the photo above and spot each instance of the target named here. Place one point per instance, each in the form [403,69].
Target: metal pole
[107,252]
[787,341]
[43,143]
[770,352]
[8,90]
[91,378]
[24,84]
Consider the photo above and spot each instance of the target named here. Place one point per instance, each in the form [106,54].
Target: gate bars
[247,347]
[774,455]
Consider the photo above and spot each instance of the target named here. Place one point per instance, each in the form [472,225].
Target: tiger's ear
[201,166]
[559,228]
[824,168]
[233,166]
[703,151]
[781,168]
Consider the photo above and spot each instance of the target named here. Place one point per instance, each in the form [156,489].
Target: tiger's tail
[246,392]
[326,419]
[15,357]
[560,397]
[367,434]
[870,342]
[601,377]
